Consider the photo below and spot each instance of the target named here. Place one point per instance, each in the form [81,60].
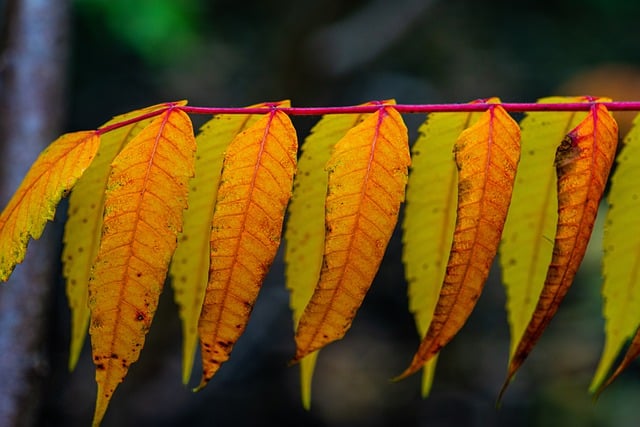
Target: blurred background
[125,54]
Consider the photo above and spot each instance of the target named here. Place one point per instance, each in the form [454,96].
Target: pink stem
[370,108]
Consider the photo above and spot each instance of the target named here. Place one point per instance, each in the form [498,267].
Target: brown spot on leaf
[96,322]
[568,151]
[464,187]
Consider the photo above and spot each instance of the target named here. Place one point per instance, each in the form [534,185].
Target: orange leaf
[367,178]
[51,177]
[146,194]
[430,216]
[190,264]
[487,156]
[304,235]
[583,161]
[254,190]
[84,223]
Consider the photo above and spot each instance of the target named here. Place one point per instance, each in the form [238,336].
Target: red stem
[417,108]
[370,108]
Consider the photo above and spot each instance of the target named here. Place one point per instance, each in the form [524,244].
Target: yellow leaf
[50,178]
[190,266]
[621,287]
[146,194]
[254,190]
[487,156]
[583,161]
[84,224]
[430,215]
[527,239]
[367,177]
[632,353]
[304,235]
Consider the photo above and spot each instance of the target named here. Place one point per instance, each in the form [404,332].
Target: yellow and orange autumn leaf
[190,265]
[84,224]
[583,161]
[430,215]
[486,156]
[527,238]
[255,187]
[305,231]
[145,195]
[51,177]
[367,178]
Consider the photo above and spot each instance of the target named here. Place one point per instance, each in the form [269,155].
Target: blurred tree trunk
[32,75]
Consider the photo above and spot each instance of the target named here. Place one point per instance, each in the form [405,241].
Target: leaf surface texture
[254,190]
[527,238]
[367,178]
[50,178]
[583,161]
[621,260]
[190,266]
[84,224]
[430,216]
[146,194]
[486,156]
[305,231]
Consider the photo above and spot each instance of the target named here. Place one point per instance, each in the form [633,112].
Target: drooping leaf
[84,224]
[621,287]
[632,353]
[367,177]
[583,161]
[190,266]
[254,190]
[527,238]
[304,235]
[487,156]
[429,217]
[51,177]
[146,194]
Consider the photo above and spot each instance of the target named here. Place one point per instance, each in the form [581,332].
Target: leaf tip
[102,401]
[306,400]
[295,360]
[503,390]
[186,374]
[412,369]
[203,384]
